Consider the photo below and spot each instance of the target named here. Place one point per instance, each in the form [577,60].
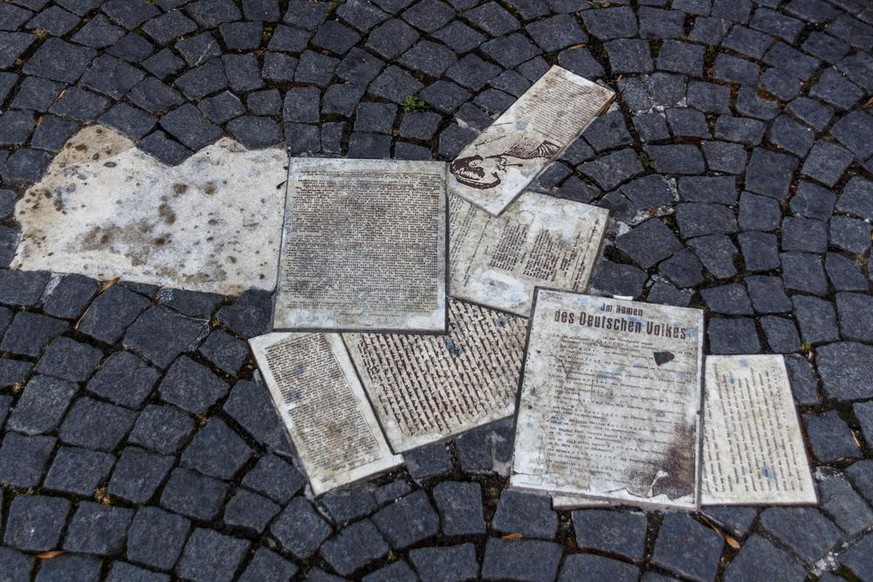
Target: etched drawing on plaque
[363,247]
[753,449]
[425,388]
[493,170]
[539,241]
[318,396]
[610,401]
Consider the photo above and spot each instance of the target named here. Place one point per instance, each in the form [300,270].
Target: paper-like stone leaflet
[610,401]
[363,247]
[321,401]
[539,241]
[505,158]
[425,388]
[753,450]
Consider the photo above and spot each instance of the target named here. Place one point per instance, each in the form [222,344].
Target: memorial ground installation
[417,300]
[611,398]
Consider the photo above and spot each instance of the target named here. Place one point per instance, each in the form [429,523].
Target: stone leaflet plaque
[539,240]
[363,246]
[610,401]
[753,449]
[493,170]
[425,388]
[324,408]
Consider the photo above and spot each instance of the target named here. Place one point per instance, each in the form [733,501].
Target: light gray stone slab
[753,452]
[610,401]
[493,170]
[105,209]
[425,388]
[322,403]
[363,247]
[539,240]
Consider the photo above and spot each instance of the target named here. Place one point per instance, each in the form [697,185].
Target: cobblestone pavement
[137,439]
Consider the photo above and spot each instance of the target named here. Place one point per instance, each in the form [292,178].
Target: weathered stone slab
[105,209]
[425,388]
[610,401]
[493,170]
[753,450]
[322,403]
[538,240]
[364,246]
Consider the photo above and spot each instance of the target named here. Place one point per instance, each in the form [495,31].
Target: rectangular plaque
[610,401]
[493,170]
[363,247]
[539,241]
[753,449]
[427,388]
[324,408]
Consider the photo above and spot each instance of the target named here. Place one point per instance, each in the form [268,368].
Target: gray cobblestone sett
[611,531]
[97,529]
[30,333]
[35,522]
[216,451]
[138,474]
[69,298]
[176,388]
[41,405]
[354,547]
[211,557]
[249,511]
[759,557]
[267,565]
[526,560]
[193,495]
[78,471]
[300,529]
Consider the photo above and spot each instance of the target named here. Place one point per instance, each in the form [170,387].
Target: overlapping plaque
[501,162]
[610,401]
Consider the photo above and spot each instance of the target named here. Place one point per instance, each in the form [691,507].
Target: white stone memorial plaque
[364,246]
[425,388]
[753,449]
[105,209]
[493,170]
[539,241]
[324,408]
[610,401]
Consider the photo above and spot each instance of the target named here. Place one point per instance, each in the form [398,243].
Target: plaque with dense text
[425,388]
[753,449]
[323,406]
[493,170]
[610,401]
[363,247]
[539,241]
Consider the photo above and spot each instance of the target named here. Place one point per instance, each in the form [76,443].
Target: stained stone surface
[105,209]
[768,97]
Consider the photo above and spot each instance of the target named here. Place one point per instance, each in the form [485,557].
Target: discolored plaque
[539,241]
[105,209]
[425,388]
[610,401]
[363,247]
[493,170]
[320,399]
[753,449]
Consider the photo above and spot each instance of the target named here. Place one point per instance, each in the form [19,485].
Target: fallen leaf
[732,542]
[512,537]
[50,554]
[107,284]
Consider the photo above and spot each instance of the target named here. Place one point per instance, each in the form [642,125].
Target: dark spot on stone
[662,358]
[232,259]
[167,213]
[209,189]
[81,147]
[159,241]
[110,164]
[180,188]
[212,222]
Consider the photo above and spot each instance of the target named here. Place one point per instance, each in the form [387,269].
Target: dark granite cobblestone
[136,436]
